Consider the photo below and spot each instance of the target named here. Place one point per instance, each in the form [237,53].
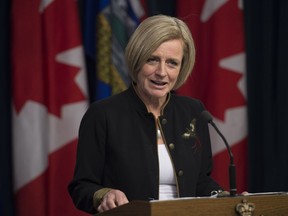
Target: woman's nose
[161,70]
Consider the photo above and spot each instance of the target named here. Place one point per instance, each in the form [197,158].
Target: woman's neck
[153,104]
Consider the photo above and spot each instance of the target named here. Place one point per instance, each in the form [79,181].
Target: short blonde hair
[149,35]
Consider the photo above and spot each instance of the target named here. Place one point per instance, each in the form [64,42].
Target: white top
[167,187]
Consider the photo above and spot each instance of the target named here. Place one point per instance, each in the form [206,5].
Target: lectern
[273,204]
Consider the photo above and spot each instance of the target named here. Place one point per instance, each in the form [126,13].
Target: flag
[218,78]
[49,99]
[115,21]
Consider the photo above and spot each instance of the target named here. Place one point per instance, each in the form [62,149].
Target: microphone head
[207,116]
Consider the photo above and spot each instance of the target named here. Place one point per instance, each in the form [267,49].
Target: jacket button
[171,146]
[164,121]
[180,173]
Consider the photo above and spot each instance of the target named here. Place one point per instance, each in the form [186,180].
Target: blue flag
[108,26]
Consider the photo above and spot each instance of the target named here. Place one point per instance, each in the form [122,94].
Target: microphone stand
[232,167]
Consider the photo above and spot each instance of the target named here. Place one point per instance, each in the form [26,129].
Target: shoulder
[186,102]
[100,111]
[111,101]
[112,105]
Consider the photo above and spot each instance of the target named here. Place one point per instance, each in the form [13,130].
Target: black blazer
[117,148]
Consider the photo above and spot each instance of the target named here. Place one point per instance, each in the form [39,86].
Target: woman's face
[159,74]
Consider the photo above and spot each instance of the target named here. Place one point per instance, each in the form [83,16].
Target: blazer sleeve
[90,159]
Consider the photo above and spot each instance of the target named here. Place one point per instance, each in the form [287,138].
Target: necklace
[159,136]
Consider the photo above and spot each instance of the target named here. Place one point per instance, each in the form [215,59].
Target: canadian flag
[49,99]
[218,78]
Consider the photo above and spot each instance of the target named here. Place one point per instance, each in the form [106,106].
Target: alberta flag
[108,27]
[219,78]
[49,99]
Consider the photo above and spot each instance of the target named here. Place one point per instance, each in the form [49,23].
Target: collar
[132,89]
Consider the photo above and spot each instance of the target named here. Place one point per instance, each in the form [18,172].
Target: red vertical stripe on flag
[218,78]
[49,99]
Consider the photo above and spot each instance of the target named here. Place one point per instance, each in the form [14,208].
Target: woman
[146,143]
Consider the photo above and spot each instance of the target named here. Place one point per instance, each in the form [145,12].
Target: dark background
[266,39]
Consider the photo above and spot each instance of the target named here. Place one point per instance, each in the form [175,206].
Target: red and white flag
[49,99]
[218,78]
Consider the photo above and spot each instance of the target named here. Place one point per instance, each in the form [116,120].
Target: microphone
[232,169]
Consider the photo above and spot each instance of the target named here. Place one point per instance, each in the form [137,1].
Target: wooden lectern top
[273,204]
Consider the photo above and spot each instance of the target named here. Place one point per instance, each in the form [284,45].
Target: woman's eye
[152,60]
[173,63]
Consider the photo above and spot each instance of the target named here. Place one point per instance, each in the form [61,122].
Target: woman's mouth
[159,83]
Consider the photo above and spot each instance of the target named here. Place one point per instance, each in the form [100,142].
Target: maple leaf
[38,37]
[217,86]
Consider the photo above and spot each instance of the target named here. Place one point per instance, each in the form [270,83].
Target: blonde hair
[149,35]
